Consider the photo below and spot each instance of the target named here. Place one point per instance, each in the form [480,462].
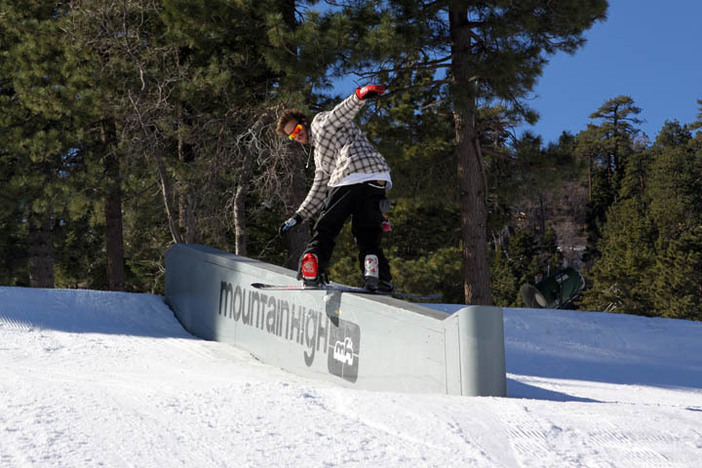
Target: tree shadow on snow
[608,348]
[516,389]
[625,369]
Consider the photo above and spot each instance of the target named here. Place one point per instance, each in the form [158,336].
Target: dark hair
[286,117]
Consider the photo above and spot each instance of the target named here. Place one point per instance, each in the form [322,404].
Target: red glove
[369,91]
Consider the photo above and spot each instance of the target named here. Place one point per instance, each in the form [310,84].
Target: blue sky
[649,50]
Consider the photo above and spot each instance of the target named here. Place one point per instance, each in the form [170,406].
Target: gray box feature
[355,340]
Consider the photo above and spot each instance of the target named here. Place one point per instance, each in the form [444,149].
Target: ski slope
[93,378]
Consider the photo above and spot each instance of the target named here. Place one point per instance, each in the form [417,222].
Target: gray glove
[287,225]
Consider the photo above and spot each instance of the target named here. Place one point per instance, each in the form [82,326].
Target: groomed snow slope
[111,379]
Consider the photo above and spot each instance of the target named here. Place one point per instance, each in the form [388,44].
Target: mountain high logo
[309,328]
[343,353]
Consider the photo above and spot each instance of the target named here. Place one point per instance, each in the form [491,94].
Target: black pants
[361,202]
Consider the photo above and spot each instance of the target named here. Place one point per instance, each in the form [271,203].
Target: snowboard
[346,289]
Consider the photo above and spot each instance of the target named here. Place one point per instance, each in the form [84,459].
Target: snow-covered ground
[111,379]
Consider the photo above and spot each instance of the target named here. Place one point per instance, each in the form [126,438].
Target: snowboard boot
[371,277]
[309,270]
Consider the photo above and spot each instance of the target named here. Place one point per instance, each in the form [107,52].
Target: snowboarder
[350,179]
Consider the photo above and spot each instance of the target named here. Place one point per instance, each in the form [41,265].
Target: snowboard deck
[345,289]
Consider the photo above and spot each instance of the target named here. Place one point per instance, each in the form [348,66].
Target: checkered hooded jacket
[340,149]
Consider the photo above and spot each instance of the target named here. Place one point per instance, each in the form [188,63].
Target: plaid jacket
[340,149]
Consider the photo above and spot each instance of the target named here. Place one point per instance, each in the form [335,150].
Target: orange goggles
[296,130]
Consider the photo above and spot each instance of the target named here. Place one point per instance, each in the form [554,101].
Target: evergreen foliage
[36,131]
[677,285]
[126,128]
[478,54]
[607,147]
[657,214]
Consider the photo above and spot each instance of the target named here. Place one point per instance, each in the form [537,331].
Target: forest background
[129,126]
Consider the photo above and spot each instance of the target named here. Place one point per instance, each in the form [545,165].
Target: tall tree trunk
[470,165]
[242,191]
[589,178]
[542,213]
[186,211]
[167,195]
[297,238]
[114,240]
[40,251]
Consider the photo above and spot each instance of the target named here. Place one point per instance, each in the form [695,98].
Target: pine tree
[675,194]
[674,185]
[37,132]
[650,242]
[607,147]
[678,278]
[13,236]
[622,275]
[504,283]
[616,132]
[175,89]
[481,51]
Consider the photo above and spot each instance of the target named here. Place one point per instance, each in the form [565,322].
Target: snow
[93,378]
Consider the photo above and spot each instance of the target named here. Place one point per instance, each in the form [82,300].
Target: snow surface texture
[111,379]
